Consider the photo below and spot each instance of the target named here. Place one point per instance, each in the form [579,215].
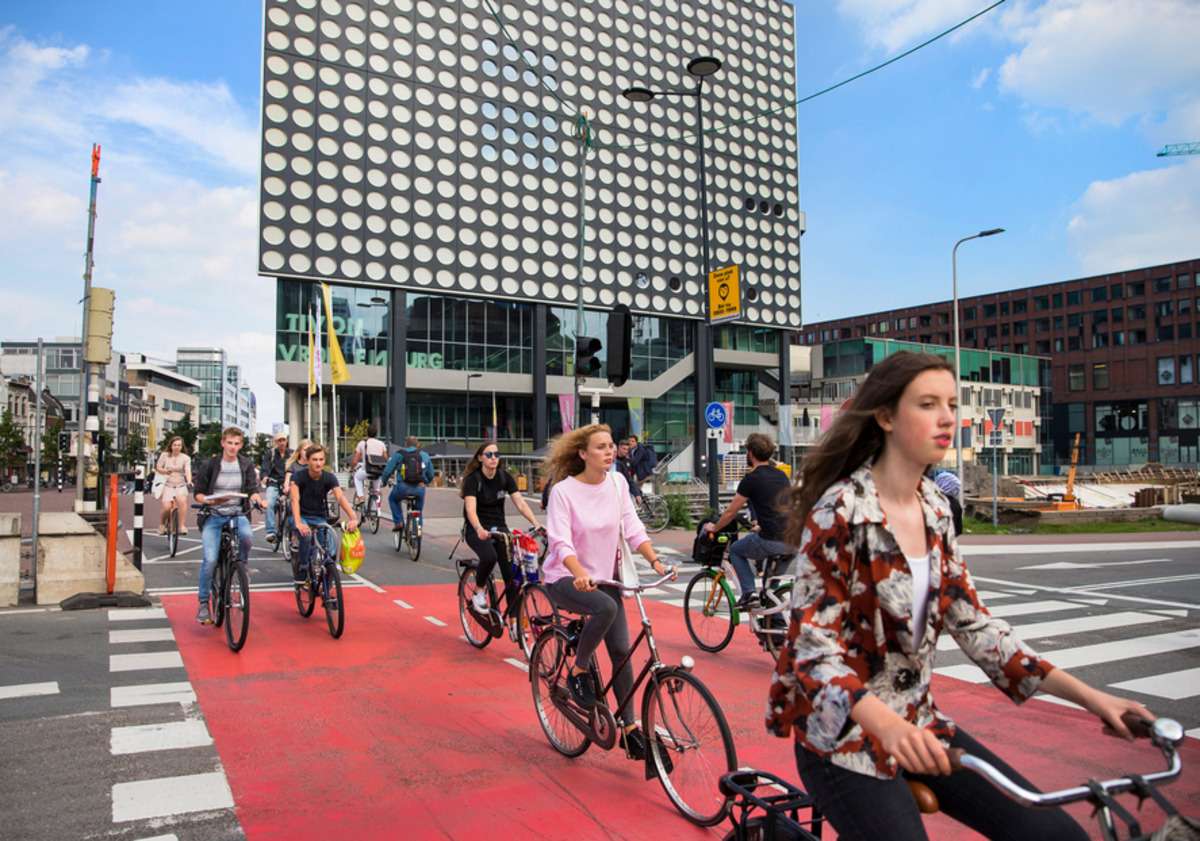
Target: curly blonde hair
[564,460]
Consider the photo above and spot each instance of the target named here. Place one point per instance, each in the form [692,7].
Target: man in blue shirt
[414,470]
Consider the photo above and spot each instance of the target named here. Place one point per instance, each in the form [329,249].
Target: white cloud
[981,78]
[896,24]
[1140,219]
[177,208]
[1109,60]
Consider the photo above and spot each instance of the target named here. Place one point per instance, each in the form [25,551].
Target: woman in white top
[176,469]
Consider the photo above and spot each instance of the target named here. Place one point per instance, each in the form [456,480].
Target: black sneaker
[634,743]
[582,689]
[749,601]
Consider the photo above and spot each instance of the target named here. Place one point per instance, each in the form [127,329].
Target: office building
[169,395]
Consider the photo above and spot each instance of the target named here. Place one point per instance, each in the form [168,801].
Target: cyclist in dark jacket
[643,459]
[407,486]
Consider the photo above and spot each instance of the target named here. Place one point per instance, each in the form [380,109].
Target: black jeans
[485,550]
[862,808]
[605,620]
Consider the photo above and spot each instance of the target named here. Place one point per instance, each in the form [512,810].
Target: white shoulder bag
[156,489]
[625,565]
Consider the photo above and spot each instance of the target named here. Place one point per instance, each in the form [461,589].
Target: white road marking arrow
[1073,565]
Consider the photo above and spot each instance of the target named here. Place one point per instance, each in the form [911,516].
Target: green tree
[135,447]
[186,430]
[257,448]
[50,443]
[12,446]
[210,440]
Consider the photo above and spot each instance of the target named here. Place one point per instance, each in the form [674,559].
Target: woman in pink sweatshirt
[588,507]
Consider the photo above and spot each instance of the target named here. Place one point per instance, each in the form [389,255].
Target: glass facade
[746,337]
[211,375]
[462,334]
[360,324]
[855,357]
[1179,431]
[657,343]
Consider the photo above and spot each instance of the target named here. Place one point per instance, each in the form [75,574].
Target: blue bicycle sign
[715,416]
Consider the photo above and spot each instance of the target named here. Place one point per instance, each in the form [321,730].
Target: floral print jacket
[851,628]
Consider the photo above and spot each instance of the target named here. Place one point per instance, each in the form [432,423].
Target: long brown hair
[855,435]
[564,460]
[474,464]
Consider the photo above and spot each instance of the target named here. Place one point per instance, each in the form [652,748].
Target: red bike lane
[401,729]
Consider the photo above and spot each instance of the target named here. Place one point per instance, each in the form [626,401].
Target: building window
[1099,293]
[1185,369]
[1004,329]
[1166,370]
[1041,302]
[1100,375]
[1184,281]
[1057,300]
[1099,340]
[1185,306]
[1163,308]
[1075,319]
[969,314]
[1166,333]
[1118,338]
[1116,291]
[989,310]
[1058,345]
[1042,325]
[1137,312]
[1004,307]
[1020,307]
[1162,284]
[1118,314]
[1136,337]
[1075,378]
[1185,331]
[1059,323]
[969,334]
[1042,347]
[1074,298]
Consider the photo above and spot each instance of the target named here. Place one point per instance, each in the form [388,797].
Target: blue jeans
[210,539]
[399,491]
[306,545]
[753,548]
[272,498]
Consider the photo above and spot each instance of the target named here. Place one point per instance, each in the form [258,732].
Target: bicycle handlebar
[1164,733]
[640,588]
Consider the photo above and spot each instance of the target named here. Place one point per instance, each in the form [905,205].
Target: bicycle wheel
[280,533]
[173,532]
[536,614]
[397,538]
[774,633]
[306,592]
[654,513]
[547,678]
[237,607]
[477,633]
[682,720]
[373,514]
[216,593]
[708,610]
[331,598]
[412,536]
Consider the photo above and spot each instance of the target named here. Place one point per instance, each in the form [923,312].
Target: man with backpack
[370,457]
[414,470]
[274,463]
[642,459]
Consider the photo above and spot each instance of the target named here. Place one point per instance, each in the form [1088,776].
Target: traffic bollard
[139,497]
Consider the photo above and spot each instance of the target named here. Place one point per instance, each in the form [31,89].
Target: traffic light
[586,363]
[64,442]
[620,327]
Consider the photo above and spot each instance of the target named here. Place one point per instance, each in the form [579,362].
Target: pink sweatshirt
[583,522]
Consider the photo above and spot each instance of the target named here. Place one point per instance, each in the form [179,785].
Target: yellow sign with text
[724,294]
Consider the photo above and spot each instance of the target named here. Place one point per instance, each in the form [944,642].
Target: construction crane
[1066,501]
[1173,149]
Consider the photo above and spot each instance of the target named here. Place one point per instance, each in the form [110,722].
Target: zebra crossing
[1130,649]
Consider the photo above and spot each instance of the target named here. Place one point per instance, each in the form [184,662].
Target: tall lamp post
[469,378]
[700,68]
[377,301]
[958,456]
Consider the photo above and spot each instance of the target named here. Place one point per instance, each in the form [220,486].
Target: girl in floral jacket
[879,577]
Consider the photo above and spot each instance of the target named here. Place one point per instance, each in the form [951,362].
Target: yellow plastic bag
[353,551]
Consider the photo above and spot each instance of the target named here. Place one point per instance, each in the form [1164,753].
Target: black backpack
[412,468]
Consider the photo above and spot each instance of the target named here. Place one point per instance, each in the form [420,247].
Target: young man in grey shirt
[223,474]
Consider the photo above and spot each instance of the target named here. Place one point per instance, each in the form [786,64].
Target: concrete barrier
[10,560]
[1188,513]
[71,559]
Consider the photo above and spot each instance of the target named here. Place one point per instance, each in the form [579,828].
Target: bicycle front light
[686,662]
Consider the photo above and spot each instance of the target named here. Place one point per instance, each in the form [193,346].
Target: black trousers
[485,550]
[863,808]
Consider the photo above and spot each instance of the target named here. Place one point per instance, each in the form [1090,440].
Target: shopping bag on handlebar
[710,551]
[353,551]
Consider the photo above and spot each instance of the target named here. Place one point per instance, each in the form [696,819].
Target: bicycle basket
[710,551]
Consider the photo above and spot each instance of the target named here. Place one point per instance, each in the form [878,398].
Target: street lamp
[469,378]
[377,301]
[958,456]
[699,68]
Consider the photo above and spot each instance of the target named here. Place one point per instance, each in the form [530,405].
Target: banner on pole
[566,409]
[637,416]
[312,357]
[728,433]
[338,372]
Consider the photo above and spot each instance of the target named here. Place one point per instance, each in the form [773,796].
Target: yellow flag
[312,357]
[339,373]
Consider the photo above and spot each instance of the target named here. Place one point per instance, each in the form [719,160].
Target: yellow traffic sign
[724,294]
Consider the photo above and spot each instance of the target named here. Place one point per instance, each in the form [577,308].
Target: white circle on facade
[398,274]
[423,276]
[273,260]
[300,239]
[326,266]
[510,286]
[299,263]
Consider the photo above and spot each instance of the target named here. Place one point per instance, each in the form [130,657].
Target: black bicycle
[322,579]
[229,589]
[409,533]
[529,612]
[367,508]
[689,741]
[173,531]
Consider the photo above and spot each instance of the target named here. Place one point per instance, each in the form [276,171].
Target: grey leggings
[605,620]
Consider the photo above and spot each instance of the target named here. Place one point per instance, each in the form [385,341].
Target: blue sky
[1043,118]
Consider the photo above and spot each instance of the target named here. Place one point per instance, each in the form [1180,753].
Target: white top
[920,610]
[371,447]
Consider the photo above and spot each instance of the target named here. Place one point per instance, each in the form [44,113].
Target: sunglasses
[490,455]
